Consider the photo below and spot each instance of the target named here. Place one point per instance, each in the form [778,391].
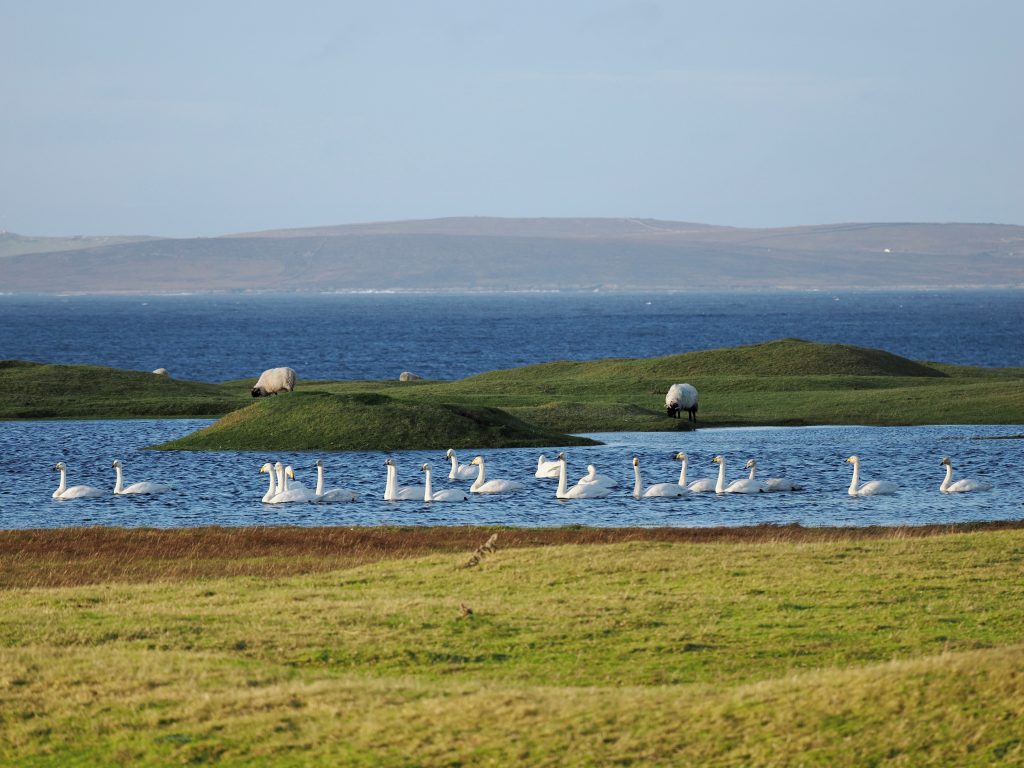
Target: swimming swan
[593,477]
[874,488]
[459,471]
[746,485]
[704,485]
[74,492]
[483,485]
[449,494]
[773,484]
[546,468]
[658,489]
[335,494]
[961,486]
[395,492]
[580,490]
[268,468]
[286,494]
[142,487]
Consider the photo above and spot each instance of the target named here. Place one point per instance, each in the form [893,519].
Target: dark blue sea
[377,336]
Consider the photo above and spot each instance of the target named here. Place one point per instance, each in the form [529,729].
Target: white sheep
[161,372]
[273,381]
[409,376]
[681,397]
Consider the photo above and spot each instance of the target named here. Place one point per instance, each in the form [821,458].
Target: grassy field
[788,382]
[760,646]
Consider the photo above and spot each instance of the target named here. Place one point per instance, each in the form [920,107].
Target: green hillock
[42,391]
[301,421]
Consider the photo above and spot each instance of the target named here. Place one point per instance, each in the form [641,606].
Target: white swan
[593,477]
[874,488]
[449,494]
[286,494]
[142,487]
[961,486]
[658,489]
[704,485]
[459,471]
[546,468]
[395,492]
[746,485]
[268,468]
[75,491]
[335,494]
[483,485]
[578,491]
[773,484]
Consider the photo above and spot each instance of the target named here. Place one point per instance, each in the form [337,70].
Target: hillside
[536,254]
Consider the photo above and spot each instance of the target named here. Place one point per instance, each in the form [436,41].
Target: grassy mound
[365,421]
[40,391]
[850,651]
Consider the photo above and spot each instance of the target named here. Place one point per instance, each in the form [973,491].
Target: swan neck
[117,483]
[561,479]
[427,495]
[638,486]
[949,478]
[389,484]
[455,467]
[753,472]
[63,483]
[682,473]
[320,480]
[856,478]
[720,485]
[272,490]
[481,476]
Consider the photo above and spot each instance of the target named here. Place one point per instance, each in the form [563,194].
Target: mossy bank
[786,382]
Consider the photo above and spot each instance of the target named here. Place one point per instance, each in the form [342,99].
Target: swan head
[946,462]
[679,456]
[266,468]
[478,460]
[60,466]
[636,462]
[290,472]
[318,463]
[115,464]
[425,468]
[449,453]
[750,464]
[561,456]
[853,460]
[717,460]
[388,463]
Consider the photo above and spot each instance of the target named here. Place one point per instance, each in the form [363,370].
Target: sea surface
[225,488]
[377,336]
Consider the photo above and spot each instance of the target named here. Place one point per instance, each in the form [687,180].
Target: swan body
[773,484]
[546,468]
[449,494]
[873,488]
[395,492]
[483,485]
[658,489]
[295,485]
[961,486]
[459,471]
[335,494]
[287,494]
[593,477]
[746,485]
[580,490]
[704,485]
[142,487]
[74,492]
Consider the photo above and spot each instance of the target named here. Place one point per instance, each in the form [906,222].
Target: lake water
[215,338]
[377,336]
[226,488]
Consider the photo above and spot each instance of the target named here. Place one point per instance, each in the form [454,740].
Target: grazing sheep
[407,376]
[681,397]
[161,372]
[273,381]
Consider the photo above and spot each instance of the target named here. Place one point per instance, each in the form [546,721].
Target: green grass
[898,651]
[787,382]
[41,391]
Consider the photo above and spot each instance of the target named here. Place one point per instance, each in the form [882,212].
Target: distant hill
[12,244]
[480,253]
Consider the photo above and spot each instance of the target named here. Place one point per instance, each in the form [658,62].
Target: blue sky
[203,118]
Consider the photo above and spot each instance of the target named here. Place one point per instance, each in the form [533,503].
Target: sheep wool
[273,381]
